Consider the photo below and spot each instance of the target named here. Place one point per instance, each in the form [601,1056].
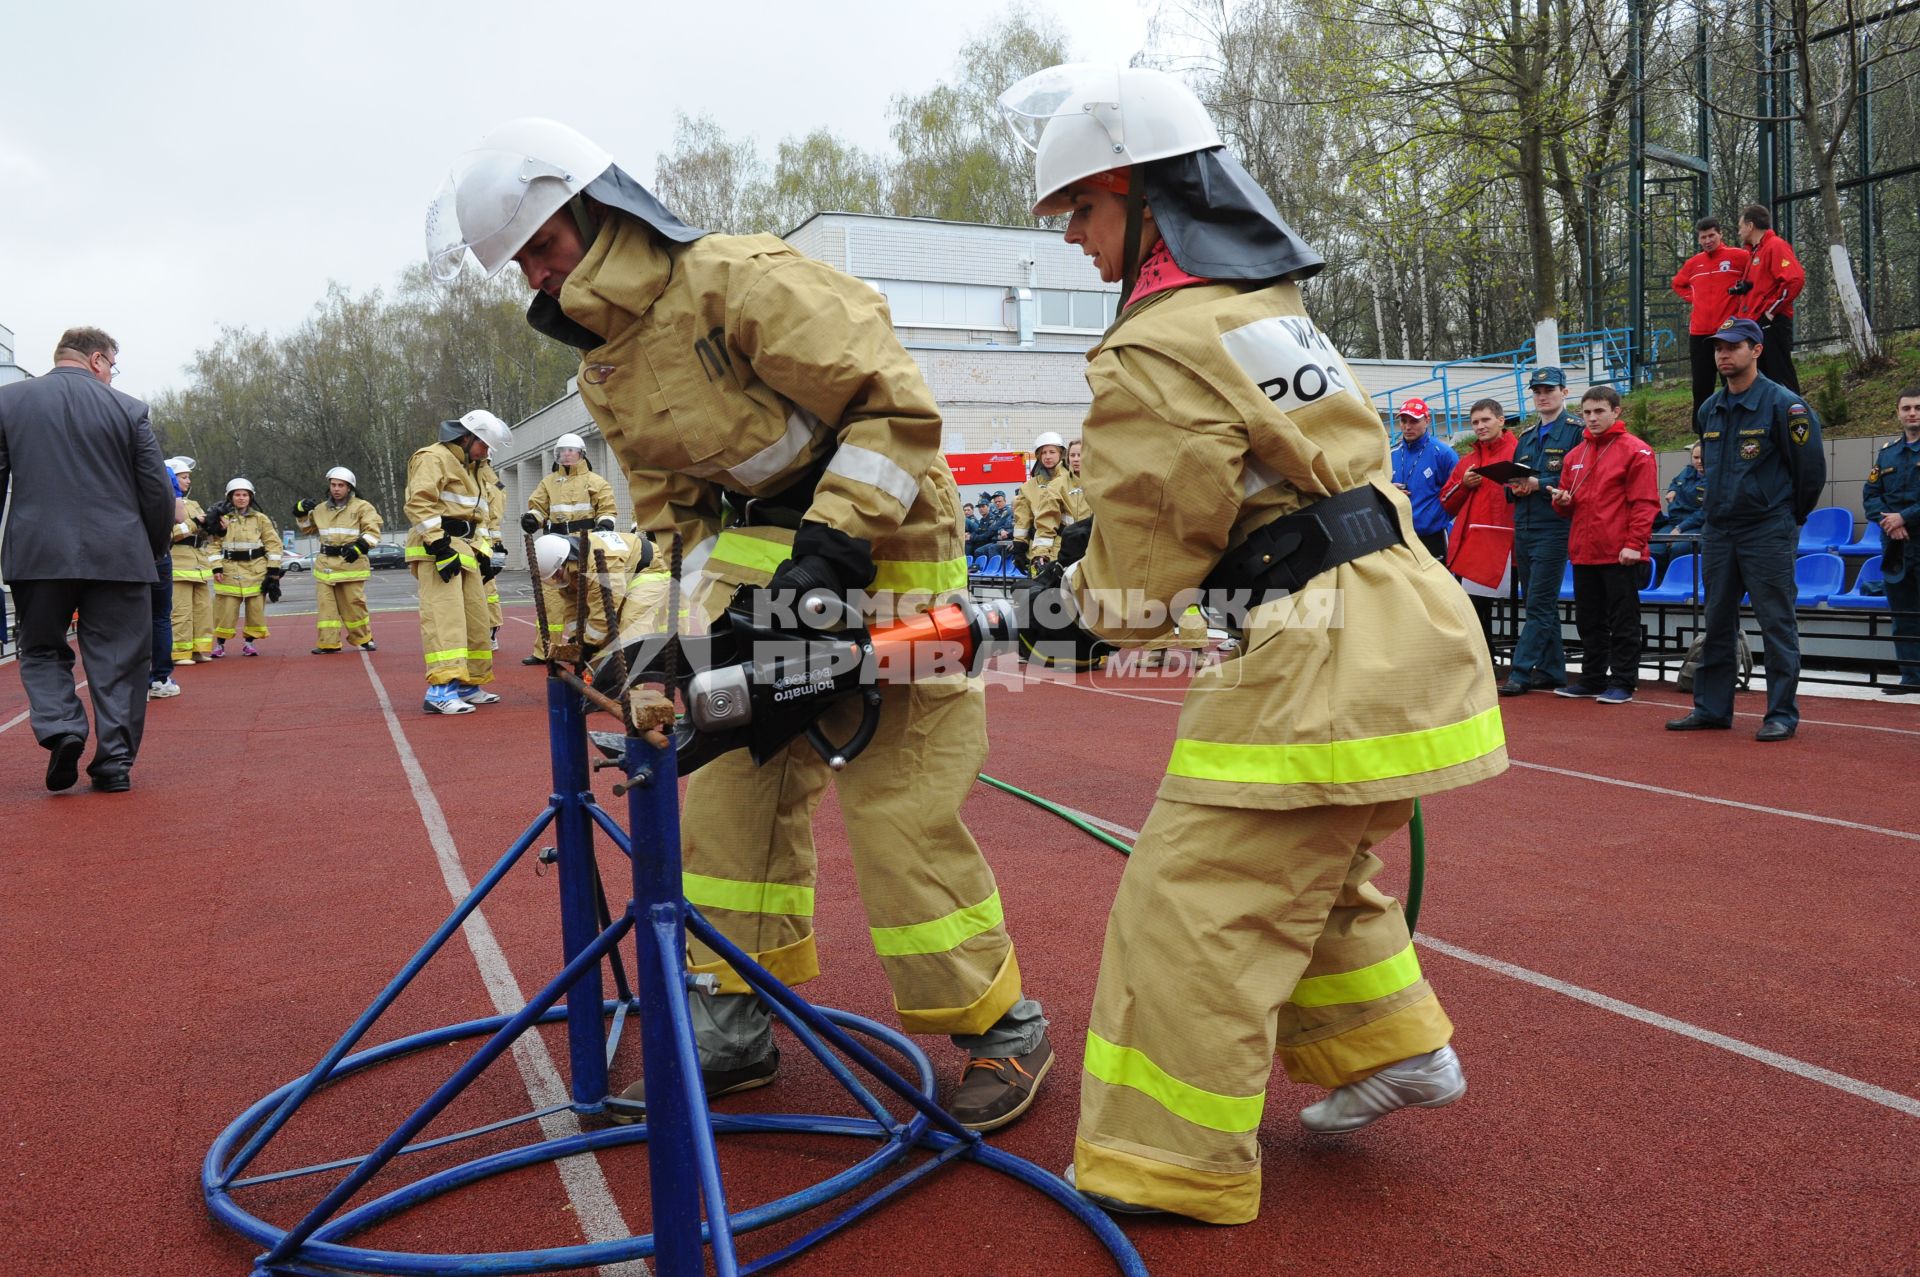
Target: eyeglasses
[113,368]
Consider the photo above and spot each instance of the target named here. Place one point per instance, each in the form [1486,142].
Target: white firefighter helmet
[482,425]
[570,440]
[1084,118]
[1049,439]
[500,193]
[240,485]
[550,555]
[344,474]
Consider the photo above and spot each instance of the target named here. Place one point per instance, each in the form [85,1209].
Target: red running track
[180,950]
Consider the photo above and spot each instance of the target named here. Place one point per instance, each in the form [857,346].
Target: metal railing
[1604,355]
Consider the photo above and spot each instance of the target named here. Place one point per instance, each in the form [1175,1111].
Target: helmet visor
[1073,89]
[483,208]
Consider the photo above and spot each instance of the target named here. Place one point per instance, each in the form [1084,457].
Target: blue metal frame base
[692,1218]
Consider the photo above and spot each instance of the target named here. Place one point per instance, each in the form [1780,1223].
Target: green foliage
[1830,397]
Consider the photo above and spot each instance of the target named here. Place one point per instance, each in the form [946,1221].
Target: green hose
[1417,831]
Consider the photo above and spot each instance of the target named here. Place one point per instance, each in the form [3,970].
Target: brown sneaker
[718,1082]
[993,1092]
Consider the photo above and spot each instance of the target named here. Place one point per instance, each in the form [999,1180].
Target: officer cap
[1741,330]
[1547,377]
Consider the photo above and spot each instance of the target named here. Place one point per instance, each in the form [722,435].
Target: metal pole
[1766,140]
[1869,207]
[579,919]
[1636,192]
[1703,117]
[673,1159]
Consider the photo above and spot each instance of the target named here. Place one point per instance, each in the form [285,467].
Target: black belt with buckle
[1281,557]
[243,556]
[568,529]
[457,527]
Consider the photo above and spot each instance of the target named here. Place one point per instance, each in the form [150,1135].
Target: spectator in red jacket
[1610,488]
[1773,278]
[1480,550]
[1707,282]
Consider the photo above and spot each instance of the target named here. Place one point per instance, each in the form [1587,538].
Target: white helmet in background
[503,190]
[345,475]
[550,555]
[1049,439]
[482,425]
[570,441]
[240,485]
[1084,118]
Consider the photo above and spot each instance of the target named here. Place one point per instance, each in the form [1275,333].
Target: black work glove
[605,525]
[1050,631]
[825,558]
[1020,555]
[487,570]
[529,522]
[271,586]
[352,552]
[446,561]
[1073,542]
[1736,290]
[303,507]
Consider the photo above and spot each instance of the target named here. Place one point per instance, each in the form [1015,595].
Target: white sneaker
[1427,1081]
[473,694]
[159,691]
[442,698]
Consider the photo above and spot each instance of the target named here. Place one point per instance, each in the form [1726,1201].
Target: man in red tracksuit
[1707,282]
[1610,488]
[1773,278]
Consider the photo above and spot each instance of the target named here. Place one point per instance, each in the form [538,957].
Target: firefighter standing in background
[1073,494]
[192,578]
[347,526]
[245,558]
[443,511]
[557,561]
[570,499]
[1036,507]
[794,445]
[1246,918]
[493,504]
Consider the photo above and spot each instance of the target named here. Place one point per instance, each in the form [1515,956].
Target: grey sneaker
[1428,1081]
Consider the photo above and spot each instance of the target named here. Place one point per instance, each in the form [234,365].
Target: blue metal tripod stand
[689,1205]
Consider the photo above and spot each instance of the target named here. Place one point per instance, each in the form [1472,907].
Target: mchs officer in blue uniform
[1540,535]
[1892,500]
[1765,468]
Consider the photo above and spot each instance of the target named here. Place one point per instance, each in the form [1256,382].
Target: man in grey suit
[89,509]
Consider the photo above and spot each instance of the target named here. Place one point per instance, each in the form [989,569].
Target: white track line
[593,1204]
[24,714]
[1773,1059]
[1787,813]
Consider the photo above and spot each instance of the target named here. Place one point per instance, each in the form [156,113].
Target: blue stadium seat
[1827,528]
[1871,570]
[1678,585]
[1566,584]
[992,567]
[1868,546]
[1817,577]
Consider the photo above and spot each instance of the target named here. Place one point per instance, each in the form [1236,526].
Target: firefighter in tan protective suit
[557,563]
[1245,920]
[443,536]
[493,502]
[1036,506]
[245,558]
[347,526]
[192,577]
[571,498]
[761,405]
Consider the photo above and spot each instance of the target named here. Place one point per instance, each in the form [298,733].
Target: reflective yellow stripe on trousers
[747,897]
[1125,1066]
[1340,762]
[896,575]
[941,934]
[1388,976]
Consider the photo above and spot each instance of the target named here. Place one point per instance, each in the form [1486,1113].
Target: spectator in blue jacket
[1892,500]
[1421,466]
[1685,512]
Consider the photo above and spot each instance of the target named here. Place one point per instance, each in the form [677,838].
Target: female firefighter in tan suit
[570,499]
[761,405]
[347,526]
[444,512]
[1036,506]
[245,558]
[1245,918]
[192,578]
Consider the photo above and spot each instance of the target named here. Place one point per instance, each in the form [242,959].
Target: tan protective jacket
[441,484]
[1071,493]
[493,507]
[189,560]
[569,494]
[1216,410]
[245,532]
[618,552]
[735,361]
[1036,514]
[336,528]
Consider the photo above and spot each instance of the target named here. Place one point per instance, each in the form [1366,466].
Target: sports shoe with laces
[474,694]
[994,1091]
[715,1082]
[368,646]
[1578,691]
[444,698]
[1427,1081]
[219,650]
[160,689]
[248,649]
[1615,696]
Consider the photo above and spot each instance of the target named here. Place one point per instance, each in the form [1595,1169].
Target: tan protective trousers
[242,585]
[933,909]
[343,610]
[1237,933]
[192,620]
[453,625]
[558,606]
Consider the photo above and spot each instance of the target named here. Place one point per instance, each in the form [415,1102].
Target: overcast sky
[166,169]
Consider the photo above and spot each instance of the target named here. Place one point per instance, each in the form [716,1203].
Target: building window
[1076,309]
[921,304]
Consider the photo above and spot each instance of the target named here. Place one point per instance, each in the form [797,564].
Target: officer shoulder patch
[1799,433]
[1873,475]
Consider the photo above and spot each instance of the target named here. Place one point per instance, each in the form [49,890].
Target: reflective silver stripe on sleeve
[863,465]
[459,499]
[1255,477]
[571,507]
[1043,543]
[694,561]
[371,538]
[778,455]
